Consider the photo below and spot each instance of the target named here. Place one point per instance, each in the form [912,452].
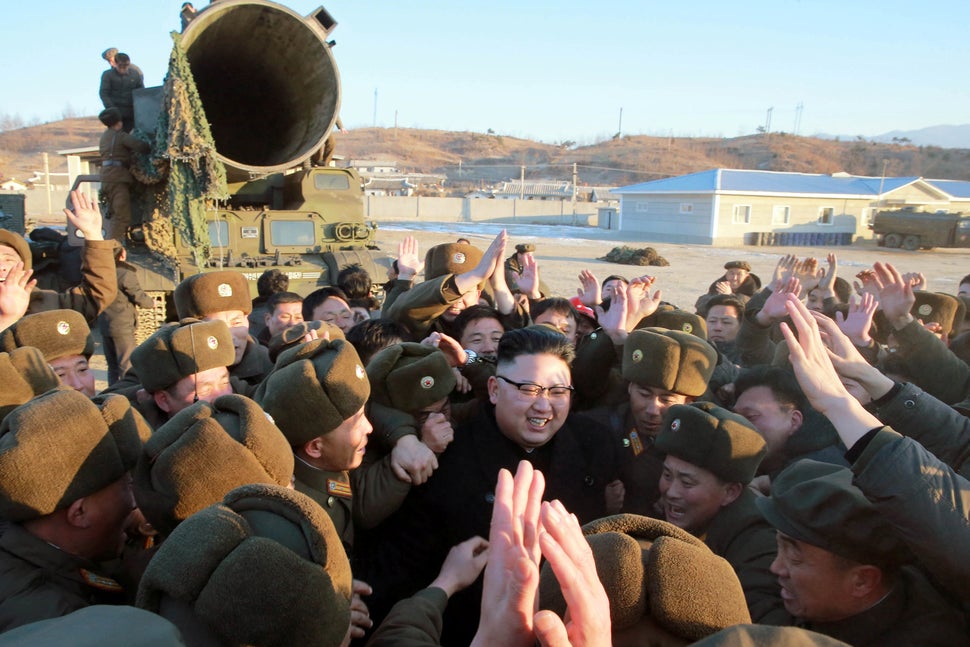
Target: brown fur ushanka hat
[203,294]
[56,333]
[314,388]
[61,446]
[264,567]
[203,452]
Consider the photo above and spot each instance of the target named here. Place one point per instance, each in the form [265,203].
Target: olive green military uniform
[640,463]
[415,621]
[39,581]
[730,448]
[740,534]
[913,613]
[819,504]
[97,291]
[361,498]
[116,147]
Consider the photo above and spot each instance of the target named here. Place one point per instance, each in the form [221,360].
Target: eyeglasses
[533,390]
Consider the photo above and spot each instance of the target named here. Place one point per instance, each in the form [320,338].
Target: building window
[641,207]
[826,215]
[741,214]
[780,214]
[687,207]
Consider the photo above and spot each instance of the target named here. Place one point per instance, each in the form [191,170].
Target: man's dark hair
[559,305]
[278,298]
[369,303]
[782,383]
[374,335]
[724,300]
[965,279]
[121,59]
[318,296]
[614,277]
[474,313]
[355,281]
[534,340]
[272,281]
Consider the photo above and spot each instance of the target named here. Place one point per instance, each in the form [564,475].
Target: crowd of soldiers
[477,461]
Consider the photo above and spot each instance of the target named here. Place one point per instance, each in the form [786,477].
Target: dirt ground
[562,252]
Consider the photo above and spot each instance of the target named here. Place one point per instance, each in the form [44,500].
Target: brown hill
[470,158]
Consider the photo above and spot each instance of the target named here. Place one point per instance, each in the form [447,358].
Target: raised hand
[409,262]
[478,275]
[587,605]
[827,277]
[784,270]
[614,321]
[895,294]
[590,292]
[775,307]
[15,294]
[640,303]
[857,322]
[85,215]
[511,580]
[818,378]
[807,273]
[529,278]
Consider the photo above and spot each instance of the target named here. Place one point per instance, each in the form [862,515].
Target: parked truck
[270,90]
[912,230]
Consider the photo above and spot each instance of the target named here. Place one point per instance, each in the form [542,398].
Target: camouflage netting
[148,168]
[632,256]
[195,175]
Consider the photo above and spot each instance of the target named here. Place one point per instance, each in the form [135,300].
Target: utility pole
[522,182]
[47,181]
[619,127]
[798,117]
[375,107]
[768,122]
[575,179]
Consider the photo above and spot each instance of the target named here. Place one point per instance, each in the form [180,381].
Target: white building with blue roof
[733,207]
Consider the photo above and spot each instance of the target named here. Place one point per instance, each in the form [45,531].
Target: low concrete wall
[418,209]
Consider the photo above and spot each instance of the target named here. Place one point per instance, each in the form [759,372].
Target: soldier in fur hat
[262,567]
[99,285]
[182,364]
[225,295]
[662,368]
[64,484]
[841,564]
[65,340]
[316,394]
[711,455]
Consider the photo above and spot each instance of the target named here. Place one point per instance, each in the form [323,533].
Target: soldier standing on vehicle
[115,148]
[117,85]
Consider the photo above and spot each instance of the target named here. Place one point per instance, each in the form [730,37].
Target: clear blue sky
[561,70]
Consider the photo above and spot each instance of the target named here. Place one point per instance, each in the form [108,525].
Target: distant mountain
[942,136]
[473,159]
